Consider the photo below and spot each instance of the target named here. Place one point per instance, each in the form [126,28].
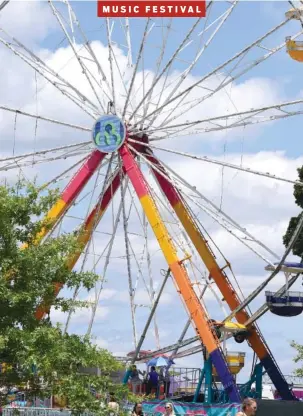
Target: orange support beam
[197,313]
[218,275]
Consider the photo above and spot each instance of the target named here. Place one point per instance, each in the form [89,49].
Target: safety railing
[182,381]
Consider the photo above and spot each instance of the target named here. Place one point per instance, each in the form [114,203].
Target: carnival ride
[130,111]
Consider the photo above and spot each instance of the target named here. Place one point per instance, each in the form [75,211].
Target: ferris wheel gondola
[294,47]
[289,303]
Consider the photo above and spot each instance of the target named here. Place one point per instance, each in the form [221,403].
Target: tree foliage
[38,356]
[298,194]
[298,251]
[298,358]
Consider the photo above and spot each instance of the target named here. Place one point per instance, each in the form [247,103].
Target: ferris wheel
[130,105]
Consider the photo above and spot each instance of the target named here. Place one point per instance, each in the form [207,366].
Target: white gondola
[287,267]
[289,303]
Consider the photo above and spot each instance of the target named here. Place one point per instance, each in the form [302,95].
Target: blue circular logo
[109,133]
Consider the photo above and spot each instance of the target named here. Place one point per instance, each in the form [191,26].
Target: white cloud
[19,18]
[101,343]
[80,316]
[106,294]
[142,297]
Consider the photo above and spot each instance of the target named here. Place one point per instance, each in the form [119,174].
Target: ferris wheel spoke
[97,212]
[149,287]
[229,78]
[110,58]
[74,22]
[31,159]
[149,292]
[39,117]
[46,151]
[107,249]
[50,75]
[128,263]
[87,227]
[228,165]
[218,215]
[166,77]
[108,255]
[129,43]
[139,263]
[139,56]
[183,94]
[31,163]
[139,267]
[219,219]
[167,66]
[78,57]
[63,175]
[181,78]
[150,277]
[91,52]
[113,57]
[93,219]
[255,120]
[3,4]
[84,237]
[158,65]
[71,192]
[228,225]
[128,40]
[239,119]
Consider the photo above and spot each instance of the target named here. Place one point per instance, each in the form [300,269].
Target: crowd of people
[138,410]
[249,408]
[152,380]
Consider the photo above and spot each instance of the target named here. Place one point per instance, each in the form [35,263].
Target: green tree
[298,358]
[298,251]
[38,356]
[298,194]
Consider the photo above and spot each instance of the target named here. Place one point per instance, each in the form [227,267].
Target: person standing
[137,410]
[165,377]
[169,410]
[135,379]
[113,405]
[249,407]
[153,381]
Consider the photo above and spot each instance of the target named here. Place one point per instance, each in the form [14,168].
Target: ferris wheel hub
[109,133]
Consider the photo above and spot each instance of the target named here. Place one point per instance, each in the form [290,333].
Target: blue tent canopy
[160,362]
